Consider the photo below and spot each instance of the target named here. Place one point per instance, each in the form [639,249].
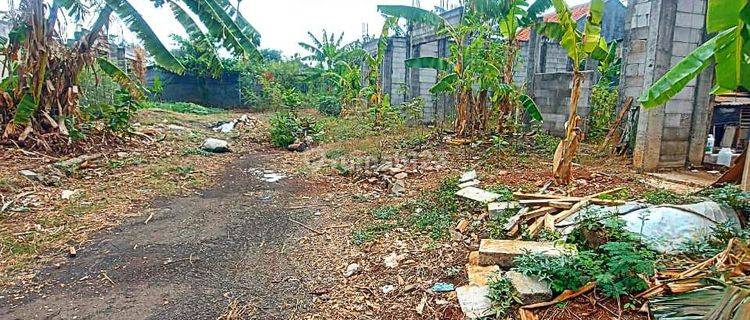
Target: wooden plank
[560,204]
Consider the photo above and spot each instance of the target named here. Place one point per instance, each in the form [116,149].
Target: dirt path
[194,256]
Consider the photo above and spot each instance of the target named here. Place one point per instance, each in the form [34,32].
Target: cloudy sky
[283,23]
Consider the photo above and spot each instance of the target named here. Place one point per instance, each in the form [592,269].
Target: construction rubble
[664,228]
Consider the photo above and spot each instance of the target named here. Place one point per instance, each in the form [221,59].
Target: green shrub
[566,272]
[335,153]
[502,294]
[436,209]
[625,262]
[603,109]
[287,127]
[664,196]
[370,232]
[730,195]
[714,241]
[329,105]
[546,143]
[385,212]
[181,107]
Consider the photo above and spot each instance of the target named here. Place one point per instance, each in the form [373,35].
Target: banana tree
[474,62]
[729,48]
[510,17]
[40,93]
[579,46]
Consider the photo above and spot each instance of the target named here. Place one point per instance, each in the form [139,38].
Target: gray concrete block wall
[427,78]
[660,34]
[554,58]
[552,95]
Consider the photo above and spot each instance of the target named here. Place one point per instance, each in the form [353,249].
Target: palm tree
[325,52]
[41,93]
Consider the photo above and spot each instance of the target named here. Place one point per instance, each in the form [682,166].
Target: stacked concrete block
[660,34]
[552,95]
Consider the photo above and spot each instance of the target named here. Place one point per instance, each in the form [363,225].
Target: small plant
[714,241]
[287,127]
[335,153]
[730,195]
[546,143]
[329,105]
[435,212]
[341,168]
[385,212]
[502,294]
[369,233]
[566,272]
[663,196]
[181,107]
[625,263]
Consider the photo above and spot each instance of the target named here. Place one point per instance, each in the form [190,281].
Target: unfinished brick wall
[552,95]
[661,33]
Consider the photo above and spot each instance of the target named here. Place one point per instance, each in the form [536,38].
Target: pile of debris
[393,172]
[229,126]
[561,214]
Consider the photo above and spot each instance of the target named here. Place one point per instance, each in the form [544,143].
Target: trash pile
[229,126]
[664,229]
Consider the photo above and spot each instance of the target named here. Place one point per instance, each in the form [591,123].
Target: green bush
[502,294]
[603,109]
[287,127]
[328,105]
[181,107]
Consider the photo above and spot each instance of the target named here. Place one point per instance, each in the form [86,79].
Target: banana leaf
[135,22]
[121,78]
[531,108]
[413,14]
[709,303]
[25,110]
[430,63]
[676,78]
[445,84]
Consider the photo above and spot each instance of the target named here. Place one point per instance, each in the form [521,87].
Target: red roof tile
[577,12]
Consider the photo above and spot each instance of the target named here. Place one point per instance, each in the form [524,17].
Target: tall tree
[40,93]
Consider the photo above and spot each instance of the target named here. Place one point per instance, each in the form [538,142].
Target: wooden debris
[462,225]
[72,252]
[306,226]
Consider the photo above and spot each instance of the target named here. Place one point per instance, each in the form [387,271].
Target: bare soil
[230,241]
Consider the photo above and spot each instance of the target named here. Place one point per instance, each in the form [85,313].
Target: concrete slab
[504,252]
[476,194]
[474,301]
[530,289]
[480,275]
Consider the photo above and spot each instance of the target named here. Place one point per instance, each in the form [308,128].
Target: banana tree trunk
[567,148]
[505,106]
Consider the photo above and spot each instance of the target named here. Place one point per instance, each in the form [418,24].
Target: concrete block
[530,289]
[476,194]
[480,275]
[504,252]
[474,301]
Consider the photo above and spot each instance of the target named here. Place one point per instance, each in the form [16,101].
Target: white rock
[468,176]
[391,260]
[351,270]
[467,184]
[31,175]
[388,288]
[215,145]
[67,194]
